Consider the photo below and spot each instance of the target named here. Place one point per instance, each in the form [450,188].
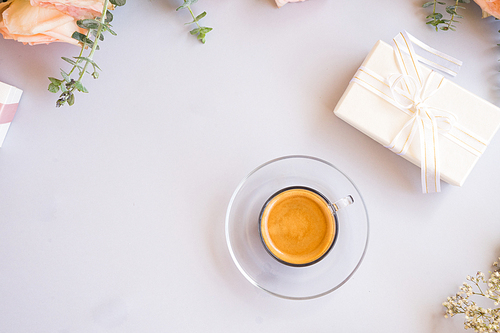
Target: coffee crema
[297,226]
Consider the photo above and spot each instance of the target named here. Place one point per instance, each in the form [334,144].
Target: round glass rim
[332,212]
[242,270]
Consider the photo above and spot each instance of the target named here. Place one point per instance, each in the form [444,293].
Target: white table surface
[112,211]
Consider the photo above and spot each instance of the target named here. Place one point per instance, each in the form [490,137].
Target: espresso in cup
[298,226]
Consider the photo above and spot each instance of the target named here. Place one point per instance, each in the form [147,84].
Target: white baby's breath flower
[480,319]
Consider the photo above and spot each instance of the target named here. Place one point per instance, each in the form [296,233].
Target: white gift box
[9,99]
[372,104]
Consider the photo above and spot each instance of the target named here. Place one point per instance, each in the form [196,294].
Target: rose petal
[79,9]
[4,5]
[491,7]
[35,25]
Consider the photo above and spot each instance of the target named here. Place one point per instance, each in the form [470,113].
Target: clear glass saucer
[264,271]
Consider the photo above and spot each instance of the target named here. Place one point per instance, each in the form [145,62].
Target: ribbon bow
[426,120]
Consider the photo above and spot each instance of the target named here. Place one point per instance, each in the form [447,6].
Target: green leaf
[88,24]
[199,17]
[79,37]
[204,30]
[441,3]
[187,3]
[71,99]
[91,42]
[92,62]
[65,76]
[195,31]
[68,60]
[108,28]
[109,17]
[55,81]
[79,86]
[83,39]
[428,4]
[118,2]
[53,88]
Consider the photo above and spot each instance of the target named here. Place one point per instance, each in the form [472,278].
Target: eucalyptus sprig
[200,31]
[95,29]
[436,19]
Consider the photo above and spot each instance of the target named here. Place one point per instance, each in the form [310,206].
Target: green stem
[434,13]
[94,46]
[78,59]
[194,17]
[452,16]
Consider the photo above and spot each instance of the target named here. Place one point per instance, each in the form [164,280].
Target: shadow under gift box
[382,121]
[9,99]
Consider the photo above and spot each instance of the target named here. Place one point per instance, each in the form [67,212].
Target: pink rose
[491,7]
[46,21]
[281,3]
[35,25]
[79,9]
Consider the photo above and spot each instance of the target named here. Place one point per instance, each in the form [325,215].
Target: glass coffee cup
[298,225]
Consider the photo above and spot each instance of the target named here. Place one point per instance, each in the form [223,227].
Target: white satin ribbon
[409,91]
[425,122]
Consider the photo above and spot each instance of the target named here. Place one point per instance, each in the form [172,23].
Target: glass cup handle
[344,202]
